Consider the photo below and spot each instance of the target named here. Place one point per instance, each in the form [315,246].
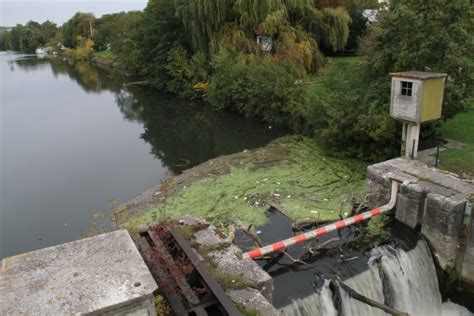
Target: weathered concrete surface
[228,259]
[104,274]
[467,265]
[253,300]
[432,199]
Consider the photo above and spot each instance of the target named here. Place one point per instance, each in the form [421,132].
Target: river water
[74,138]
[400,274]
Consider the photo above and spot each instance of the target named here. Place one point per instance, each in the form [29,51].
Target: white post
[411,145]
[404,139]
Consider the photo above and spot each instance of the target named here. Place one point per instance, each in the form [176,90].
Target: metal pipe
[280,245]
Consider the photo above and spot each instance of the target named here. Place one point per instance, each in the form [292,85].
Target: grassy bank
[291,171]
[318,86]
[460,128]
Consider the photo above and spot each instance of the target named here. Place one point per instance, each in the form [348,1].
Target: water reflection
[182,133]
[91,79]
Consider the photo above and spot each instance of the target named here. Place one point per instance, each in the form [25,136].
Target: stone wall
[432,200]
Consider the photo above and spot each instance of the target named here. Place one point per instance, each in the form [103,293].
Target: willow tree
[202,20]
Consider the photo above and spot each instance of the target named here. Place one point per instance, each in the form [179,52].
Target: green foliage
[202,19]
[185,72]
[80,25]
[377,230]
[247,312]
[459,128]
[356,114]
[354,120]
[337,28]
[416,34]
[357,29]
[159,32]
[29,40]
[117,32]
[26,38]
[259,87]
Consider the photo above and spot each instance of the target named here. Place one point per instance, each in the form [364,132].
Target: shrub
[184,73]
[354,119]
[259,87]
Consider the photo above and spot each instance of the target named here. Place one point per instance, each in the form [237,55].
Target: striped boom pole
[298,239]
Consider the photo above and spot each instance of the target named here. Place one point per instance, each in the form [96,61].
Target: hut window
[407,88]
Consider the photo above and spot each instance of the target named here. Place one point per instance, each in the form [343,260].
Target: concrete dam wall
[434,201]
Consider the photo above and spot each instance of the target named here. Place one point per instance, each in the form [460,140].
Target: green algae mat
[292,172]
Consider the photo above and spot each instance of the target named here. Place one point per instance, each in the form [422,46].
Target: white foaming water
[409,280]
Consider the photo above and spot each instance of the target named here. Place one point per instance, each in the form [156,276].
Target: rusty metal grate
[181,275]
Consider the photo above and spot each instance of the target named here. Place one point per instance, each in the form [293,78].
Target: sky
[59,11]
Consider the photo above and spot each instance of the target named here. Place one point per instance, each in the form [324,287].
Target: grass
[306,183]
[460,128]
[317,87]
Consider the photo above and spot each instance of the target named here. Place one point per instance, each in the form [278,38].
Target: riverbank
[291,171]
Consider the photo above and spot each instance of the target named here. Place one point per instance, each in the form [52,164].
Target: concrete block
[208,236]
[377,193]
[441,225]
[431,197]
[253,300]
[104,274]
[408,210]
[414,191]
[229,262]
[467,272]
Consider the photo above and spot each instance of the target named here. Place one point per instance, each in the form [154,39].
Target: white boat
[41,51]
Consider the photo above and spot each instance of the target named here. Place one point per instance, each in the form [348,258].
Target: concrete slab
[253,300]
[104,274]
[229,261]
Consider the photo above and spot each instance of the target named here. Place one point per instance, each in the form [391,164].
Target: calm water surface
[74,137]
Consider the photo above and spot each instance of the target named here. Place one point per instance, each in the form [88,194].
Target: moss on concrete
[295,173]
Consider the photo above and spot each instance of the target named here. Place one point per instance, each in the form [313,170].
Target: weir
[405,280]
[401,275]
[436,203]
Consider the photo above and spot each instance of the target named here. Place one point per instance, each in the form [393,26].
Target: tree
[159,32]
[420,34]
[48,31]
[81,24]
[410,35]
[29,40]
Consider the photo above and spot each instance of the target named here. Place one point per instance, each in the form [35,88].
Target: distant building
[370,15]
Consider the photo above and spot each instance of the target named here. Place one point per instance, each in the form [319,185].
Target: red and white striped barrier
[280,245]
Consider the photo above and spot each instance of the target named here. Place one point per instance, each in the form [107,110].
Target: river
[75,138]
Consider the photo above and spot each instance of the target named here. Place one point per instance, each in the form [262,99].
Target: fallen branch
[369,301]
[254,237]
[323,245]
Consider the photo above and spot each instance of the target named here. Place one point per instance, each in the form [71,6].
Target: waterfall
[406,281]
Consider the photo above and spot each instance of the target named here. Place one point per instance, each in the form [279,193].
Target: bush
[259,87]
[354,120]
[184,73]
